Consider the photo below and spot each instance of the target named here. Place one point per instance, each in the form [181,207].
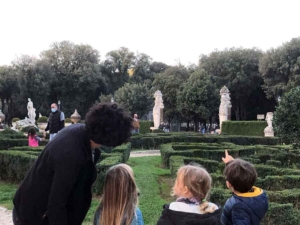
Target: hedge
[15,162]
[154,140]
[14,165]
[145,126]
[246,128]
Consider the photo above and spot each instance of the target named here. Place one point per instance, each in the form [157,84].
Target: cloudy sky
[168,31]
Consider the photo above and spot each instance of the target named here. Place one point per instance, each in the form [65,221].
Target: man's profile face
[135,115]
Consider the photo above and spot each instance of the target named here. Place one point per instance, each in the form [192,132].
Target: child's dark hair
[31,131]
[107,124]
[240,174]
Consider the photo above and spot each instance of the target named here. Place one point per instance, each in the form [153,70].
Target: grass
[154,182]
[7,192]
[150,177]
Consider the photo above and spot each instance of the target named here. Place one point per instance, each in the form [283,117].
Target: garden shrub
[158,139]
[145,126]
[158,131]
[42,119]
[245,128]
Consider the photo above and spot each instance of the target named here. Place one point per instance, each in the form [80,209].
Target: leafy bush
[42,119]
[8,131]
[145,126]
[287,117]
[142,141]
[246,128]
[158,131]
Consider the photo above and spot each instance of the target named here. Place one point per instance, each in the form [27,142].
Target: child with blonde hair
[119,202]
[191,188]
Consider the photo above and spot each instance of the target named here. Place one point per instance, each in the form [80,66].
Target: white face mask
[53,110]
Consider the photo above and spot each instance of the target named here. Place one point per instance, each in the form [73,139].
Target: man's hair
[55,105]
[240,174]
[107,124]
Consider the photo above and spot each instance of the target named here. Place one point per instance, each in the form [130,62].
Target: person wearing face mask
[56,121]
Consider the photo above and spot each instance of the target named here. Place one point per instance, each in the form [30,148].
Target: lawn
[153,181]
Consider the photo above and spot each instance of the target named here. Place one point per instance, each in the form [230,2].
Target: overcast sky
[167,30]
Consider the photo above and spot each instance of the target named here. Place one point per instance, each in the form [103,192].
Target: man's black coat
[57,188]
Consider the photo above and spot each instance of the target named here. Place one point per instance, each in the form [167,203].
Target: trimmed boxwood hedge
[154,140]
[15,162]
[246,128]
[145,126]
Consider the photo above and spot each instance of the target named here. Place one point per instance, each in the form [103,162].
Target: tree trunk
[187,125]
[237,112]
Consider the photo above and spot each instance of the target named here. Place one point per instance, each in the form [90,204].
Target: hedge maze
[16,161]
[278,168]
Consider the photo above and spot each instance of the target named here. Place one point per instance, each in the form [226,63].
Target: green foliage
[247,128]
[169,83]
[198,98]
[158,131]
[135,98]
[237,68]
[15,119]
[280,68]
[287,118]
[7,192]
[42,119]
[148,173]
[8,131]
[144,142]
[145,126]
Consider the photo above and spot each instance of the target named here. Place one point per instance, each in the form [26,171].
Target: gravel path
[5,216]
[145,153]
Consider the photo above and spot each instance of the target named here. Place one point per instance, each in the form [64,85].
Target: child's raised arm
[227,158]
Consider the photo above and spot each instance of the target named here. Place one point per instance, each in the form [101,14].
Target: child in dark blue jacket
[249,204]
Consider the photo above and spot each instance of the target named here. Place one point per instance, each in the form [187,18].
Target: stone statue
[158,105]
[31,111]
[269,131]
[225,106]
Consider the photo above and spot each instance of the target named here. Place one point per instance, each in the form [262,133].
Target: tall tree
[199,98]
[135,98]
[280,68]
[115,68]
[141,69]
[237,68]
[34,79]
[77,81]
[169,83]
[9,90]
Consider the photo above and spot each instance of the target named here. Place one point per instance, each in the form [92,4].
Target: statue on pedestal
[31,111]
[269,131]
[158,105]
[225,106]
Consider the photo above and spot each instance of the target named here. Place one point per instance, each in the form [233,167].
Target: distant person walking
[136,124]
[56,121]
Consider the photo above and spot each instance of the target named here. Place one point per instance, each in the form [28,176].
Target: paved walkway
[145,153]
[5,216]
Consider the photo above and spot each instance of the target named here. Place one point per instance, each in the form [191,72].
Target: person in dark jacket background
[249,204]
[57,189]
[56,121]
